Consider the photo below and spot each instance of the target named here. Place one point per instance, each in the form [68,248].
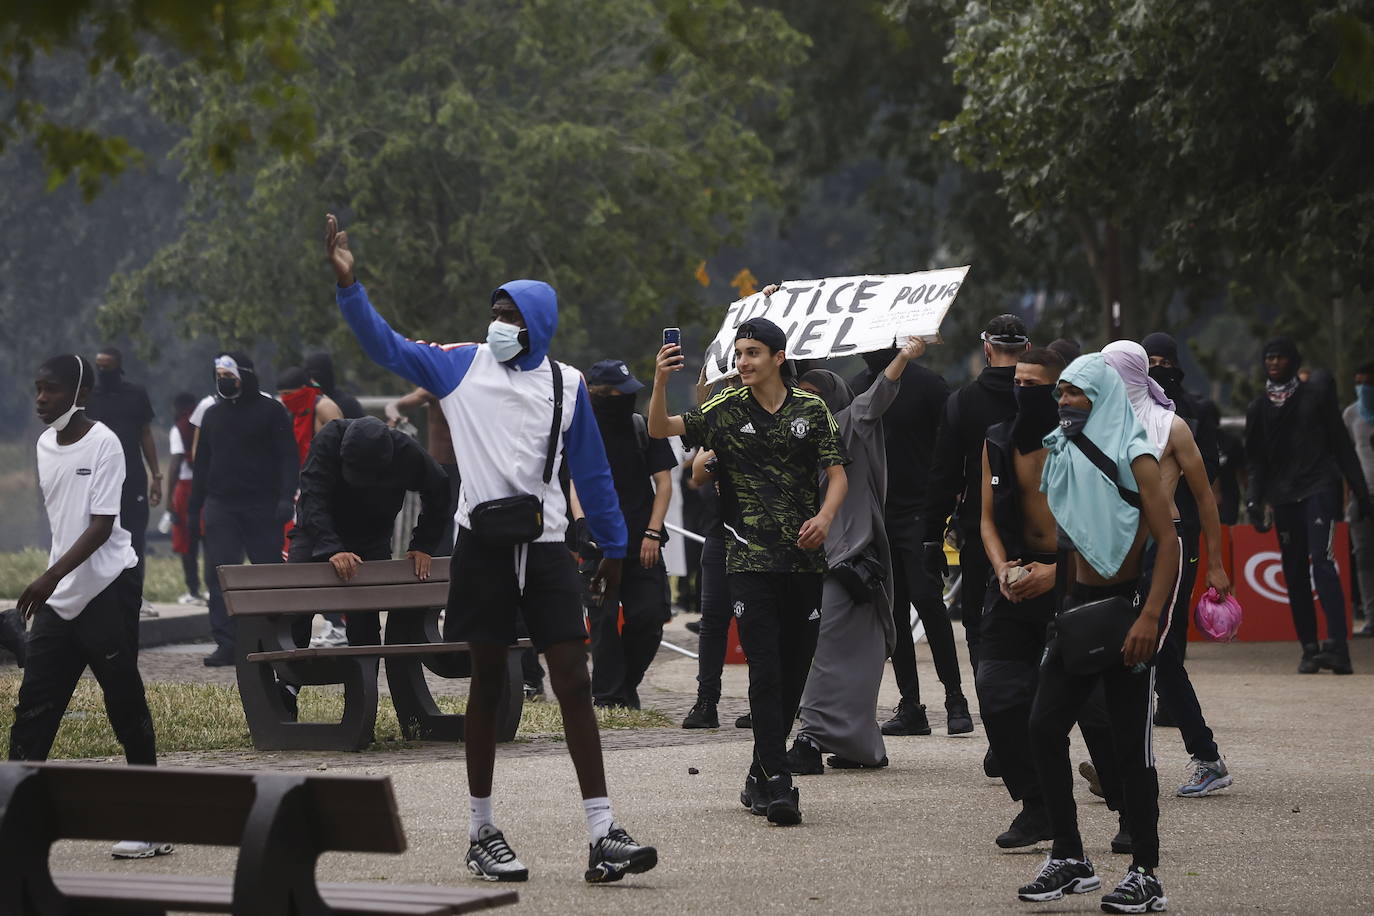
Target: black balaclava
[365,451]
[321,369]
[1037,414]
[1170,378]
[834,390]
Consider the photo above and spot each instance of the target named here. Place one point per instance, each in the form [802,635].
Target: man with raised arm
[501,399]
[772,441]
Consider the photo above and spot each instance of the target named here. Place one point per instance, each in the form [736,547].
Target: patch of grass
[162,580]
[209,717]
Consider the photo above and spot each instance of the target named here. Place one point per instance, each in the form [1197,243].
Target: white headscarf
[1152,406]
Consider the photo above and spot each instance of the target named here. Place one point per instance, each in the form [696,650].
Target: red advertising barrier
[1256,569]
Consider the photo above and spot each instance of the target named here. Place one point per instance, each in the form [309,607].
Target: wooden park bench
[265,599]
[280,822]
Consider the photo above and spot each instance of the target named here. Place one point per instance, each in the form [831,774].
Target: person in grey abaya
[857,633]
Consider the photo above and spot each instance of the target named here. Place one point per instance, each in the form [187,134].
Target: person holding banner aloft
[774,442]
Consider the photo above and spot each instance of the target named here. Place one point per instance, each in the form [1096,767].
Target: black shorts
[484,597]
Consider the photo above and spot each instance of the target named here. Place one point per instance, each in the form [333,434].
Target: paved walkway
[1294,834]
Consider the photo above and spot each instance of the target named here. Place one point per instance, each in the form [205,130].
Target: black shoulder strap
[1106,466]
[641,432]
[557,428]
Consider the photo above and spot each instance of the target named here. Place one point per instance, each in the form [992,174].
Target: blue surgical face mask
[1072,420]
[504,340]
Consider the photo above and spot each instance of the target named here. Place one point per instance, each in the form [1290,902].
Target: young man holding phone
[773,442]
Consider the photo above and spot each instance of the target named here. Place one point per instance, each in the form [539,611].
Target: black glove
[1255,512]
[286,510]
[935,562]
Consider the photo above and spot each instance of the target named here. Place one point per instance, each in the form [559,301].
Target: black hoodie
[354,482]
[957,462]
[321,369]
[246,454]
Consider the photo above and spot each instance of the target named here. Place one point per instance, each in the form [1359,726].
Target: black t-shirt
[125,408]
[632,466]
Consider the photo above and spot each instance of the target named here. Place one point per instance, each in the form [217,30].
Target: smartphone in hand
[672,337]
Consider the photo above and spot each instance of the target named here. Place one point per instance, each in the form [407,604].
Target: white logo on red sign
[1263,571]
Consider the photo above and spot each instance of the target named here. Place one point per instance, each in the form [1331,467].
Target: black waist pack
[1091,635]
[861,577]
[514,520]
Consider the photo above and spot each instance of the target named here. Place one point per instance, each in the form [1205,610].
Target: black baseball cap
[1006,331]
[764,331]
[615,373]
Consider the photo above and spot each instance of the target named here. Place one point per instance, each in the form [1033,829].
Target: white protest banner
[842,316]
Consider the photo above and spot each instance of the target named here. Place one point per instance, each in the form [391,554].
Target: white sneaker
[147,610]
[329,637]
[137,849]
[189,598]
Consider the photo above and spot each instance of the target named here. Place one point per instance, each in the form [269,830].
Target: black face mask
[1037,414]
[1170,378]
[614,409]
[227,387]
[1072,420]
[109,378]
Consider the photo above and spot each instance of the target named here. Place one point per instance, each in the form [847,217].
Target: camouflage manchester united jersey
[769,474]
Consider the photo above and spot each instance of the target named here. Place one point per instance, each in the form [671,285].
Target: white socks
[599,817]
[479,815]
[598,810]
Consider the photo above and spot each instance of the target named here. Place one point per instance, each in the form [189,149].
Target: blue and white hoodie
[500,413]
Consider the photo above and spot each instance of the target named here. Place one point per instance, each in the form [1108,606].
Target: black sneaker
[1059,877]
[1335,657]
[784,801]
[1308,664]
[1122,843]
[693,626]
[491,858]
[909,719]
[534,690]
[1029,827]
[835,761]
[220,658]
[956,709]
[745,721]
[804,759]
[991,769]
[702,715]
[1137,893]
[616,855]
[753,796]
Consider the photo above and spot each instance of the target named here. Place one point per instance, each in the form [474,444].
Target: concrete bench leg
[271,725]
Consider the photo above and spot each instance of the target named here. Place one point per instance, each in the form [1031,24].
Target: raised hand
[336,244]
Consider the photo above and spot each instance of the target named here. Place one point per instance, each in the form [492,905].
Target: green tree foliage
[465,144]
[114,36]
[1184,143]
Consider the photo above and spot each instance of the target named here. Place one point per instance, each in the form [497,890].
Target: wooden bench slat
[96,802]
[341,598]
[322,575]
[384,651]
[213,894]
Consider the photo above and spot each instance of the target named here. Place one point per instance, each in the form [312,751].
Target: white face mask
[61,422]
[504,340]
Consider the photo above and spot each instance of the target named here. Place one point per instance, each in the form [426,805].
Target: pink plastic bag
[1218,618]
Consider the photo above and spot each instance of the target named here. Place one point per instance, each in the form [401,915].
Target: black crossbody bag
[514,520]
[1091,635]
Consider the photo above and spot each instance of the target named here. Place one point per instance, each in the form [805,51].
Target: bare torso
[1037,522]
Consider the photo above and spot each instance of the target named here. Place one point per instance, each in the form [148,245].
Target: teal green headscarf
[1085,503]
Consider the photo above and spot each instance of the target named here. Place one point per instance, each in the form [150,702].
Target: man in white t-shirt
[84,608]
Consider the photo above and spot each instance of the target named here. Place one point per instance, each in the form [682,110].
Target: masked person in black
[1019,538]
[642,469]
[908,444]
[321,368]
[124,407]
[244,483]
[956,472]
[1298,449]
